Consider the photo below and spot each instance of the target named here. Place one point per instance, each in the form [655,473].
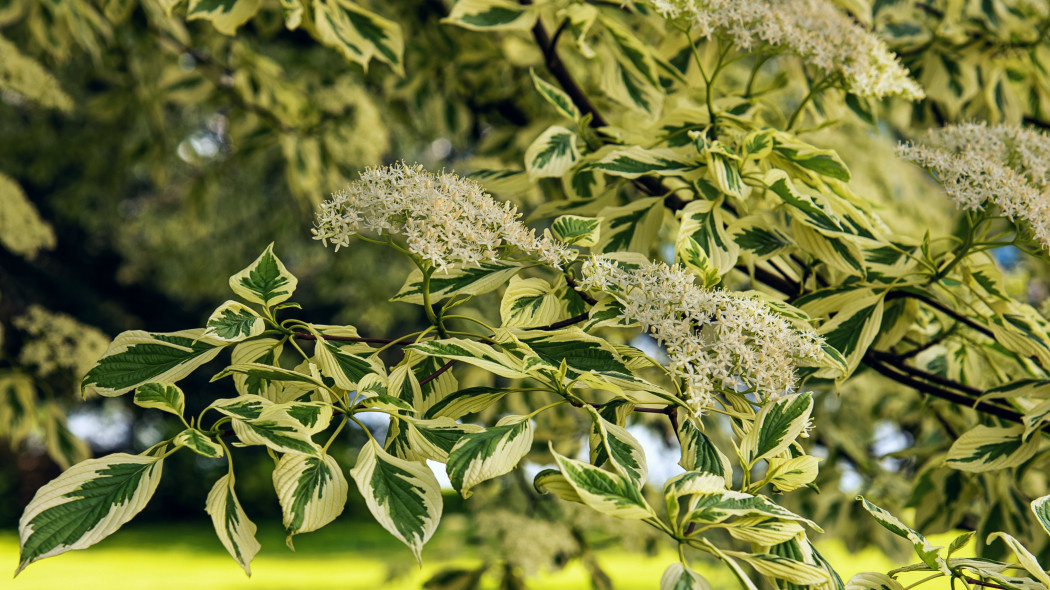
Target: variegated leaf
[466,401]
[233,322]
[491,15]
[708,502]
[702,222]
[1024,557]
[552,154]
[635,161]
[854,327]
[989,448]
[776,426]
[607,492]
[613,444]
[624,84]
[473,353]
[531,303]
[481,456]
[679,577]
[699,453]
[243,407]
[404,496]
[1041,509]
[276,429]
[631,227]
[166,397]
[551,481]
[266,281]
[791,474]
[476,280]
[775,566]
[86,504]
[926,551]
[359,34]
[555,96]
[235,531]
[17,401]
[759,237]
[136,357]
[199,443]
[312,492]
[873,581]
[264,351]
[225,15]
[763,531]
[344,367]
[435,438]
[575,230]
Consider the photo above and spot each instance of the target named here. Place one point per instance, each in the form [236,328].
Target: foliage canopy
[728,253]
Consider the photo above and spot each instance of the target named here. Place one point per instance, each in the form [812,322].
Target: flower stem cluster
[716,340]
[445,219]
[815,30]
[1006,165]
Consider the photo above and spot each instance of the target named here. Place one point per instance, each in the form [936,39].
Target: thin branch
[567,322]
[976,582]
[437,373]
[943,309]
[905,377]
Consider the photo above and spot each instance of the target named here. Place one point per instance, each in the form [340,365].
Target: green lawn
[342,556]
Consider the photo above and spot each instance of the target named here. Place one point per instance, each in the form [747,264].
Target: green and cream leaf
[235,531]
[491,15]
[613,444]
[776,426]
[135,358]
[404,496]
[679,577]
[166,397]
[576,230]
[233,322]
[199,443]
[991,448]
[86,504]
[552,154]
[266,281]
[481,456]
[225,15]
[475,280]
[554,95]
[311,490]
[607,492]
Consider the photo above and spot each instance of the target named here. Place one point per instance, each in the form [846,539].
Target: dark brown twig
[437,373]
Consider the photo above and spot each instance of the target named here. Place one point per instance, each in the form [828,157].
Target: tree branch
[934,385]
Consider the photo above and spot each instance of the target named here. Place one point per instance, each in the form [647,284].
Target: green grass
[341,556]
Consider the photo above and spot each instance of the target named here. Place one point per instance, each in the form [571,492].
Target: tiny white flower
[716,340]
[815,30]
[1006,165]
[444,219]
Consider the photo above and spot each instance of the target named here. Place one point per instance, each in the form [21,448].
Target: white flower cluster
[815,30]
[715,339]
[57,342]
[1006,165]
[445,219]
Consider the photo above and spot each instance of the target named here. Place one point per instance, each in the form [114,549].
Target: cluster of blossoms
[1002,164]
[445,219]
[57,342]
[715,339]
[815,30]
